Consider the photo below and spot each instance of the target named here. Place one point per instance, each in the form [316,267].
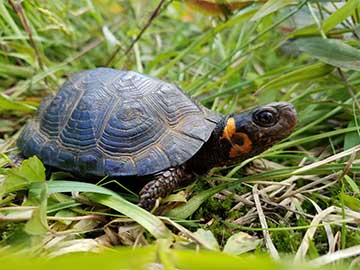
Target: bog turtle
[121,123]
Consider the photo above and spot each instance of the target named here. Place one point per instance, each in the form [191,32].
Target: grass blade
[331,51]
[111,199]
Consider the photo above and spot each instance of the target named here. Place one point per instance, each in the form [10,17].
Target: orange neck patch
[236,149]
[231,135]
[229,129]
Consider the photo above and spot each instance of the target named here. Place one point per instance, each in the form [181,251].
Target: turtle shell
[119,123]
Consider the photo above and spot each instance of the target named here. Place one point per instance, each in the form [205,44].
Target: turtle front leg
[164,183]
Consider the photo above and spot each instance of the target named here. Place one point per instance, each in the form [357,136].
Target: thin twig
[307,187]
[277,205]
[188,233]
[20,11]
[154,14]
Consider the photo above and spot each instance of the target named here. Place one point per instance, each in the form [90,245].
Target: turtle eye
[265,117]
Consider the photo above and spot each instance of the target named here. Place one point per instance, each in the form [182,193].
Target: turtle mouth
[287,112]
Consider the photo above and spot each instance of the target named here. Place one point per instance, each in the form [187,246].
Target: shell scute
[119,166]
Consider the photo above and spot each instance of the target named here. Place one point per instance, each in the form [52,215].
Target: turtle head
[252,132]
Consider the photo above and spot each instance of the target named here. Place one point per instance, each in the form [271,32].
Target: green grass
[298,201]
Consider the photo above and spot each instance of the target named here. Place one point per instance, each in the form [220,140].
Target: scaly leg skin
[163,184]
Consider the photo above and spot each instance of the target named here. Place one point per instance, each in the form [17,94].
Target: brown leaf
[220,7]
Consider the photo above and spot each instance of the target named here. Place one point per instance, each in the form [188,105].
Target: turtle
[110,122]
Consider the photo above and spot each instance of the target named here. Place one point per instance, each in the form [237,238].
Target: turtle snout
[288,116]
